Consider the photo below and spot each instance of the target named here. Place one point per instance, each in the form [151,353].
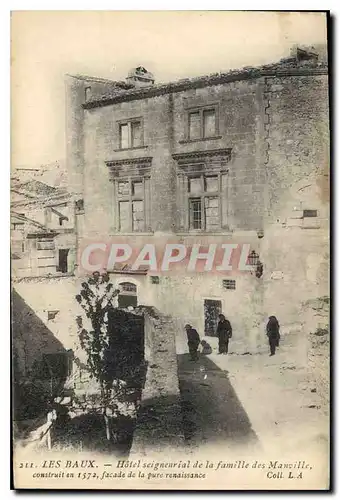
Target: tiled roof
[35,188]
[288,65]
[32,226]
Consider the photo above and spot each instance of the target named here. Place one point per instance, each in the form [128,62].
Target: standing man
[193,341]
[224,333]
[273,334]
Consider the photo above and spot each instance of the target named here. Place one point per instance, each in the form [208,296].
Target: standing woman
[273,334]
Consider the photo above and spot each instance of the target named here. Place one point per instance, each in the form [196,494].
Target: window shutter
[224,200]
[181,202]
[147,204]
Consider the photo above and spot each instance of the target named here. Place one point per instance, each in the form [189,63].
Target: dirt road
[212,412]
[253,401]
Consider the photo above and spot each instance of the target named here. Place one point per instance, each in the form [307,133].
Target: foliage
[96,298]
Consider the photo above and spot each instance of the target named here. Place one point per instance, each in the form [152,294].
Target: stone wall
[159,422]
[164,121]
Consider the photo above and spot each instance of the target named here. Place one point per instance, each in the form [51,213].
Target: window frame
[201,110]
[129,123]
[130,197]
[203,195]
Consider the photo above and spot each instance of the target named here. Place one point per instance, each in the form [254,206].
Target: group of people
[224,334]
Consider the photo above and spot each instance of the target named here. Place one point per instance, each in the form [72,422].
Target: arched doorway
[128,294]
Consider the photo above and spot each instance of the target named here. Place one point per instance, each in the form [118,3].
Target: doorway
[63,256]
[212,308]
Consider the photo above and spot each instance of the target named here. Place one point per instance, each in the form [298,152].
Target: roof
[32,227]
[35,191]
[34,188]
[287,66]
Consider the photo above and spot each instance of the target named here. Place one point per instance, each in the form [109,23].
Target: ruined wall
[159,421]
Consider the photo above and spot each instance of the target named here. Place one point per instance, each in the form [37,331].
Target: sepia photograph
[170,250]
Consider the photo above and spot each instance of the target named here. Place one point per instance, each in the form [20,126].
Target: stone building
[42,224]
[43,244]
[238,157]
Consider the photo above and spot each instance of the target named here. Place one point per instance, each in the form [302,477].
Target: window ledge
[188,141]
[130,149]
[203,231]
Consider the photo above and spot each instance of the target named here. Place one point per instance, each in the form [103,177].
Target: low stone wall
[159,429]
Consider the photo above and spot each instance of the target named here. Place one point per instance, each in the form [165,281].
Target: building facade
[237,157]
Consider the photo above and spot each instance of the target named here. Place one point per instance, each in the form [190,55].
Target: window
[124,223]
[195,213]
[209,123]
[154,280]
[137,216]
[18,226]
[202,123]
[310,213]
[51,315]
[79,206]
[45,244]
[130,134]
[131,207]
[87,93]
[194,125]
[57,365]
[128,287]
[229,284]
[253,258]
[204,202]
[63,255]
[127,295]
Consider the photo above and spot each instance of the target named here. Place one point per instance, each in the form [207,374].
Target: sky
[172,44]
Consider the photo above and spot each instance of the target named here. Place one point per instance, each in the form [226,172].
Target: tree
[96,298]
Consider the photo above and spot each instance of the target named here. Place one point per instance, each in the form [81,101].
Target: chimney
[140,77]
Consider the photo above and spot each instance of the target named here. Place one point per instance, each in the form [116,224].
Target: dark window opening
[79,206]
[57,365]
[310,213]
[63,255]
[51,315]
[229,284]
[128,295]
[154,280]
[253,258]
